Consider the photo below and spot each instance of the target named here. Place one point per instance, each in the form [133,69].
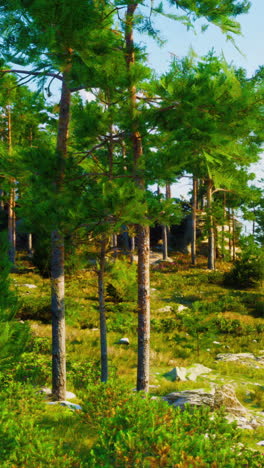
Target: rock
[225,396]
[192,397]
[72,406]
[30,286]
[177,373]
[261,442]
[68,404]
[197,369]
[217,342]
[247,359]
[189,373]
[182,307]
[165,309]
[47,391]
[123,341]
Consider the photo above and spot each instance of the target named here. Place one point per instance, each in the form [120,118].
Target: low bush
[121,281]
[137,432]
[248,269]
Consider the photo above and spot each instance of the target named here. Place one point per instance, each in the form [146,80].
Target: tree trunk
[12,199]
[211,239]
[165,242]
[30,245]
[233,236]
[57,259]
[101,295]
[143,231]
[143,309]
[132,250]
[194,220]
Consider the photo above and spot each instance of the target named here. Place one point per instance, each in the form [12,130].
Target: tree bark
[211,239]
[194,220]
[30,245]
[233,236]
[165,242]
[57,259]
[143,231]
[12,199]
[143,309]
[103,330]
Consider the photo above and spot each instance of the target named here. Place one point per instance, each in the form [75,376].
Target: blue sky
[179,42]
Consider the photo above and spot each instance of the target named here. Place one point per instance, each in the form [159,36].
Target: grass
[171,343]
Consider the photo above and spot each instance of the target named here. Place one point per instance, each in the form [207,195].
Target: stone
[177,373]
[30,286]
[225,396]
[182,307]
[167,308]
[196,370]
[247,359]
[72,406]
[47,391]
[192,397]
[228,357]
[123,341]
[217,342]
[68,404]
[189,373]
[261,442]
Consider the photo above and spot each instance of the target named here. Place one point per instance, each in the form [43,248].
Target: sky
[179,41]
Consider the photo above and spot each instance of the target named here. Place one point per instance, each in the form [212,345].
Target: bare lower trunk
[230,233]
[2,204]
[30,245]
[101,296]
[12,227]
[165,242]
[233,236]
[133,246]
[57,259]
[194,220]
[143,309]
[58,317]
[211,239]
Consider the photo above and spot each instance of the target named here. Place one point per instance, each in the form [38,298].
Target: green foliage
[82,374]
[198,325]
[136,431]
[13,335]
[248,270]
[121,282]
[23,441]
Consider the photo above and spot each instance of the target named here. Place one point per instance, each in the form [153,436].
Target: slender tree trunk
[233,236]
[143,231]
[30,245]
[101,295]
[143,309]
[2,204]
[165,242]
[211,239]
[12,195]
[223,237]
[132,250]
[230,233]
[194,220]
[57,259]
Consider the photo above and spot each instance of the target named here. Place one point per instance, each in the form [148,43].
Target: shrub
[248,269]
[137,432]
[121,283]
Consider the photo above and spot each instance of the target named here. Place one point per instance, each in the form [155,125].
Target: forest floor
[194,317]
